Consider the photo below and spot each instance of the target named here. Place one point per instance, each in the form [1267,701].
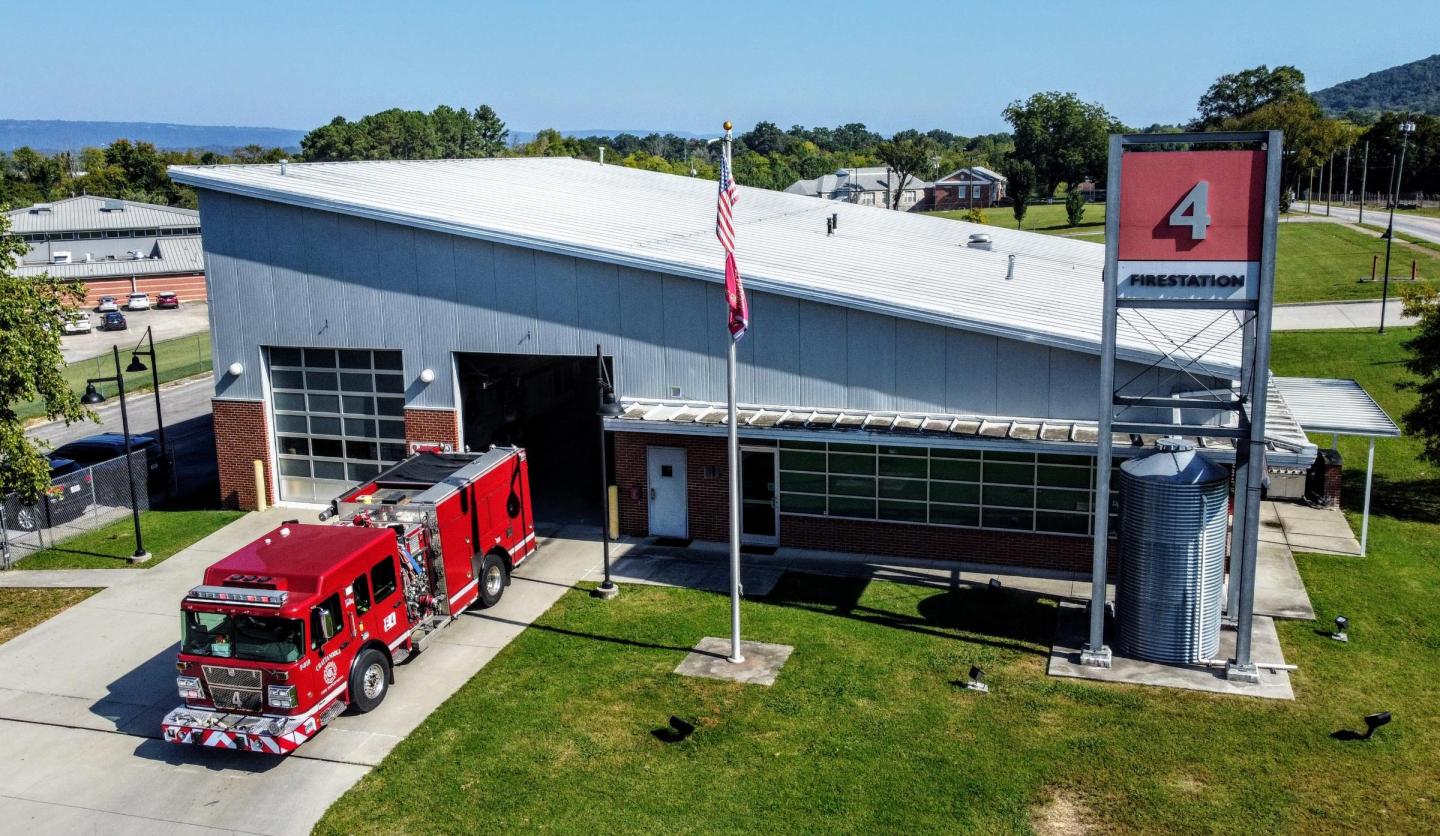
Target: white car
[107,304]
[79,325]
[138,302]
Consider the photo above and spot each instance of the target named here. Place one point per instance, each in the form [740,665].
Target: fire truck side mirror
[324,621]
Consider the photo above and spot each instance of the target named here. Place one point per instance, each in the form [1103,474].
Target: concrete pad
[710,659]
[1070,633]
[1312,529]
[1346,546]
[65,578]
[1279,590]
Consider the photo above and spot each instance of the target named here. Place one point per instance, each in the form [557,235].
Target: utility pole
[1405,129]
[1310,191]
[1345,188]
[1364,172]
[1330,189]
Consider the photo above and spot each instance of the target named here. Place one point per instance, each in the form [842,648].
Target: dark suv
[67,499]
[95,449]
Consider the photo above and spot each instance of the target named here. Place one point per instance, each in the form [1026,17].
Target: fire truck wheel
[492,580]
[369,680]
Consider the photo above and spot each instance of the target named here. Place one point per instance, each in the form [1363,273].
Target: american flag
[725,230]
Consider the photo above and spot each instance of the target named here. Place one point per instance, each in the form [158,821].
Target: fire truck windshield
[233,636]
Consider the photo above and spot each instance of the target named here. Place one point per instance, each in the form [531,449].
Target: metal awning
[1340,407]
[1288,446]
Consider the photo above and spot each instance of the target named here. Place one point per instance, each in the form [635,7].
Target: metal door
[665,475]
[759,510]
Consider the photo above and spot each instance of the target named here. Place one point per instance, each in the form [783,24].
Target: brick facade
[241,437]
[432,426]
[191,288]
[708,518]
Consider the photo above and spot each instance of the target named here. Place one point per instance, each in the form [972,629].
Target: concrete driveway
[189,318]
[83,694]
[1421,226]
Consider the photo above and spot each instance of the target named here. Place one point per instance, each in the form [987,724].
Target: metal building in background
[1174,506]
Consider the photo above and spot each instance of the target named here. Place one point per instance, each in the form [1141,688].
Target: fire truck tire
[369,680]
[492,580]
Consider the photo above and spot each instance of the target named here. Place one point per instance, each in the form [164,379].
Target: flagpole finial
[728,126]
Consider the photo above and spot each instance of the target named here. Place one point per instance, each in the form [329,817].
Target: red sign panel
[1192,206]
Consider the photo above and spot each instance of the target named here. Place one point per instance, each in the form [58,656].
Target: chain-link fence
[79,501]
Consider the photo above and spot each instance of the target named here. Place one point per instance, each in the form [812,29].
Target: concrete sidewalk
[1319,316]
[83,694]
[67,578]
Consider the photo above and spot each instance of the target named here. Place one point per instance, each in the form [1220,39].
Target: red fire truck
[309,620]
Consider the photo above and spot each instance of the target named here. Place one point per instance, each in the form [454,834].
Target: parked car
[107,304]
[67,499]
[167,299]
[96,449]
[138,302]
[79,325]
[114,321]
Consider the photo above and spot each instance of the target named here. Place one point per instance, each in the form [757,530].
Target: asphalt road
[1421,226]
[189,318]
[189,432]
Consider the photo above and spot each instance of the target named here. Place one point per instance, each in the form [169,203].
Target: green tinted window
[844,506]
[846,463]
[898,466]
[799,460]
[852,485]
[967,515]
[954,492]
[914,489]
[798,503]
[902,511]
[955,470]
[802,482]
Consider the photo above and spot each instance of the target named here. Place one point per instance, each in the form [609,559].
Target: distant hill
[1413,87]
[518,136]
[57,135]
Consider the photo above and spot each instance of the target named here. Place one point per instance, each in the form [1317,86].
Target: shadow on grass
[577,634]
[1410,500]
[1009,619]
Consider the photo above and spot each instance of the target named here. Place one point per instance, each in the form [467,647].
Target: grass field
[165,532]
[1325,261]
[865,732]
[179,358]
[1046,217]
[21,609]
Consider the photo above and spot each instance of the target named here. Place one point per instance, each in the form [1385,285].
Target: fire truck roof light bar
[237,595]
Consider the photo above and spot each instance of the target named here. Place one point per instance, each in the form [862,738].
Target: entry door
[665,469]
[759,514]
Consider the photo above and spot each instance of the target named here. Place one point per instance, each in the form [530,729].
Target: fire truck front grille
[236,699]
[216,675]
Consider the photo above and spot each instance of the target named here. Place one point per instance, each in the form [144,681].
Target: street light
[605,407]
[1406,128]
[92,397]
[137,366]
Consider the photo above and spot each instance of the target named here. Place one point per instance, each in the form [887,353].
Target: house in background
[866,187]
[115,246]
[970,187]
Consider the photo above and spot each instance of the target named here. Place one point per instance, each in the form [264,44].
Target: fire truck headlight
[189,687]
[280,696]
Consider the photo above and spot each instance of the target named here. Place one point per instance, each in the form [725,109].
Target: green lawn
[1046,217]
[865,732]
[1324,261]
[21,609]
[179,358]
[110,547]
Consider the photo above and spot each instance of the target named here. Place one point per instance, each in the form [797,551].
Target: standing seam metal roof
[178,254]
[894,263]
[1342,407]
[78,214]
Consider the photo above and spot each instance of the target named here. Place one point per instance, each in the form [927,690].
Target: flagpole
[734,474]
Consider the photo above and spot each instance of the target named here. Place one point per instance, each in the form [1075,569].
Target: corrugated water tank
[1174,508]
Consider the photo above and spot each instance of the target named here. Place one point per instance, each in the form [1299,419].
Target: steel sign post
[1190,229]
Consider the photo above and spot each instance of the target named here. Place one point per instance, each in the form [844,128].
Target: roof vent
[40,209]
[112,204]
[60,257]
[980,241]
[283,163]
[1010,271]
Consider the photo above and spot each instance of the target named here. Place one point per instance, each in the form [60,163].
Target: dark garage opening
[545,404]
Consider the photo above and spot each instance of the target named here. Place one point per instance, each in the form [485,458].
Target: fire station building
[910,385]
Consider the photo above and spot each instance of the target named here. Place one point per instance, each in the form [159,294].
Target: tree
[1237,94]
[32,312]
[765,138]
[1423,419]
[1074,206]
[490,132]
[1065,139]
[1022,177]
[906,156]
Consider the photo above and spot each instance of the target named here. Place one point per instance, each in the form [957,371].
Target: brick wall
[432,426]
[708,518]
[240,439]
[191,288]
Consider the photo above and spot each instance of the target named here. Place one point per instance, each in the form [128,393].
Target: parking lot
[189,318]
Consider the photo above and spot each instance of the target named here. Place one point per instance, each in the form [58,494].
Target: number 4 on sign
[1196,204]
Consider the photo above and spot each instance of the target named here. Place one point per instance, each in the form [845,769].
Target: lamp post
[137,366]
[605,407]
[92,397]
[1405,130]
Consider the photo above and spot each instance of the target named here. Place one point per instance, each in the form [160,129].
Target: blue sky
[678,66]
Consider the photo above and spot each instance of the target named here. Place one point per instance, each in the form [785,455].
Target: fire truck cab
[308,620]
